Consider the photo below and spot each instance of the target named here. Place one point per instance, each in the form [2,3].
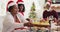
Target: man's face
[47,6]
[15,9]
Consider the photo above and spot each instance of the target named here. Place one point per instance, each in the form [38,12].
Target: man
[46,11]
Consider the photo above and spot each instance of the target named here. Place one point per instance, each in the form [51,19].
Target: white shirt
[9,22]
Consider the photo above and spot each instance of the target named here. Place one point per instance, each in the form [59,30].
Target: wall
[39,7]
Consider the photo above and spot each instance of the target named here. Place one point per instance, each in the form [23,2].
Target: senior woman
[13,21]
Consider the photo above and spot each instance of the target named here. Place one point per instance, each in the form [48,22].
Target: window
[54,1]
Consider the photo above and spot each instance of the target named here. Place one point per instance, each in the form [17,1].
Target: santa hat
[10,3]
[20,2]
[48,2]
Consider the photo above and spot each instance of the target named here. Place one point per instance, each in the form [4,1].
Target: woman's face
[21,8]
[15,9]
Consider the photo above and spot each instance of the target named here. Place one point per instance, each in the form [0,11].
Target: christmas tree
[32,12]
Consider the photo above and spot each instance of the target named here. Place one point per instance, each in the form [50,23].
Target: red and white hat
[20,2]
[10,3]
[48,2]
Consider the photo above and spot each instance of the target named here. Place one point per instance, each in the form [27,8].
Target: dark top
[49,13]
[45,14]
[54,14]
